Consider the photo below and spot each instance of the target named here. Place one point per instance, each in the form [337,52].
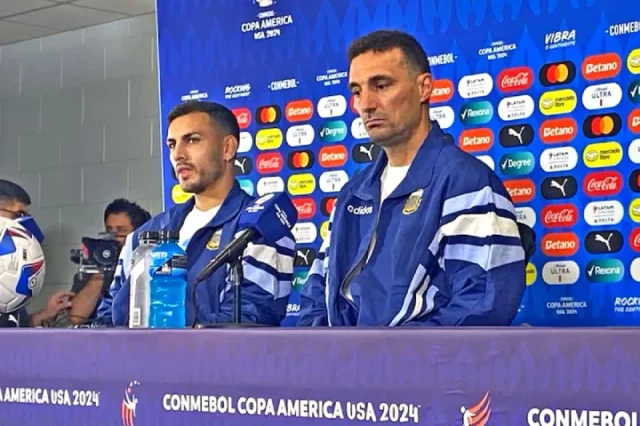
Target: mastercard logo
[557,73]
[442,91]
[301,160]
[596,126]
[270,114]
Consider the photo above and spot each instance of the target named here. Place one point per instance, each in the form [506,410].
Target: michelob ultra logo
[517,163]
[605,271]
[473,113]
[604,154]
[557,102]
[302,184]
[269,139]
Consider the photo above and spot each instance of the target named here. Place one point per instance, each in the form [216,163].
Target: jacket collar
[420,172]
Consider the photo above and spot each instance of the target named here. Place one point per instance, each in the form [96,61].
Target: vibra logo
[557,73]
[634,92]
[302,184]
[598,213]
[360,210]
[476,140]
[302,135]
[475,113]
[599,125]
[516,135]
[475,86]
[634,210]
[300,160]
[477,415]
[557,39]
[333,131]
[560,244]
[516,108]
[358,131]
[560,273]
[559,187]
[604,154]
[634,121]
[269,185]
[602,96]
[602,184]
[333,156]
[599,67]
[517,164]
[267,139]
[559,215]
[333,181]
[558,130]
[365,152]
[526,215]
[442,91]
[300,110]
[558,102]
[605,271]
[443,115]
[306,207]
[269,114]
[515,79]
[603,242]
[520,190]
[633,61]
[243,116]
[245,143]
[269,163]
[559,159]
[332,106]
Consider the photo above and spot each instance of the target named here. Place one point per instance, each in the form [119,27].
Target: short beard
[203,182]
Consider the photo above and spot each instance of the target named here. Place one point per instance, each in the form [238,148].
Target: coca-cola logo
[600,184]
[515,79]
[269,163]
[559,215]
[634,239]
[243,116]
[306,207]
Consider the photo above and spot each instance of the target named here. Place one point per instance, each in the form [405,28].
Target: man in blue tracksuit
[203,140]
[427,234]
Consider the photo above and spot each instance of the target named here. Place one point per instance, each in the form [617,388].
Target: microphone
[271,217]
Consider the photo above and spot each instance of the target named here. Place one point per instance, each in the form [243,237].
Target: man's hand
[57,303]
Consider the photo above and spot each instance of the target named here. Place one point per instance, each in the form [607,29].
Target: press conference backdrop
[547,92]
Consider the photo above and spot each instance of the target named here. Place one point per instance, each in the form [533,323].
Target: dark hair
[137,214]
[221,117]
[384,40]
[12,192]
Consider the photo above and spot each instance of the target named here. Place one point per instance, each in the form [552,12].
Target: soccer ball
[22,266]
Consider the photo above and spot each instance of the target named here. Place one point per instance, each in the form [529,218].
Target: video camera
[97,255]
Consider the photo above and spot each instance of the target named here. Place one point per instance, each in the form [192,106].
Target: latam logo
[600,125]
[305,232]
[558,159]
[520,190]
[559,187]
[475,86]
[442,91]
[301,135]
[476,140]
[600,67]
[444,115]
[602,96]
[633,61]
[516,108]
[602,184]
[516,135]
[358,131]
[306,207]
[557,73]
[633,121]
[605,271]
[558,102]
[300,110]
[269,185]
[269,114]
[560,244]
[559,215]
[558,130]
[560,273]
[243,116]
[300,160]
[271,162]
[515,79]
[599,213]
[604,154]
[333,156]
[603,242]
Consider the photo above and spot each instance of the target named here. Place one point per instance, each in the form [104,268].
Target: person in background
[14,204]
[203,140]
[427,234]
[121,218]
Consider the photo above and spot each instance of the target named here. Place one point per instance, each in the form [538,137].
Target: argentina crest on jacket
[214,242]
[413,202]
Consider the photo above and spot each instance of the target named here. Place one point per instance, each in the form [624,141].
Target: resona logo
[559,187]
[473,113]
[634,91]
[129,404]
[516,135]
[300,279]
[360,210]
[603,241]
[605,271]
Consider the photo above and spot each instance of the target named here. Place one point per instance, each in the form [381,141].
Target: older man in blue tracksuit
[203,140]
[426,235]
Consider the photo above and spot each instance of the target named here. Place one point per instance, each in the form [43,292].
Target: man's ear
[230,147]
[425,84]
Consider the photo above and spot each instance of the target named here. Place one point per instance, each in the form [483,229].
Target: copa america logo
[129,403]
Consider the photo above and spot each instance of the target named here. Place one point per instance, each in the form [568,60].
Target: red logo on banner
[560,244]
[442,91]
[599,184]
[598,67]
[634,239]
[634,121]
[476,140]
[558,130]
[559,215]
[306,207]
[270,162]
[333,156]
[243,115]
[301,110]
[520,190]
[515,79]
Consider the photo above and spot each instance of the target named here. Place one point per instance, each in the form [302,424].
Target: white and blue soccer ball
[22,266]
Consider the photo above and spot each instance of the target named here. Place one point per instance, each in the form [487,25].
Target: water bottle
[168,272]
[139,290]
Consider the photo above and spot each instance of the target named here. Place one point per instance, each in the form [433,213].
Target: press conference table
[510,377]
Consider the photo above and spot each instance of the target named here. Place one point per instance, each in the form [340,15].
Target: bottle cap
[148,235]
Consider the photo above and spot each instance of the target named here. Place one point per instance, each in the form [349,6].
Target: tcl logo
[599,184]
[243,116]
[520,190]
[442,91]
[634,239]
[306,207]
[300,110]
[515,79]
[269,114]
[271,162]
[333,156]
[476,140]
[558,130]
[327,205]
[634,121]
[559,215]
[598,67]
[560,244]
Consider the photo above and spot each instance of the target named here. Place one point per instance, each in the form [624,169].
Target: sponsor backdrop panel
[545,92]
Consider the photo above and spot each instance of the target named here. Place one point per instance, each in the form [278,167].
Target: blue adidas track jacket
[268,270]
[447,249]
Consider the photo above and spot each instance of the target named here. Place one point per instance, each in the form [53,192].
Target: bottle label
[175,265]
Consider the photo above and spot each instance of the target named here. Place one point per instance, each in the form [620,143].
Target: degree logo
[598,67]
[442,91]
[599,125]
[301,160]
[300,110]
[557,73]
[333,131]
[558,130]
[634,91]
[303,184]
[517,163]
[333,156]
[476,140]
[269,114]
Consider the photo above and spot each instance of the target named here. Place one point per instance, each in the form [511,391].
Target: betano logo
[633,61]
[476,140]
[267,139]
[302,184]
[333,156]
[520,190]
[474,113]
[442,91]
[605,271]
[633,121]
[557,73]
[560,244]
[557,102]
[517,163]
[599,125]
[300,110]
[599,67]
[604,154]
[558,130]
[477,415]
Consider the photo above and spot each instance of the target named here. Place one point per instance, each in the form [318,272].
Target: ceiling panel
[11,7]
[66,17]
[11,32]
[130,7]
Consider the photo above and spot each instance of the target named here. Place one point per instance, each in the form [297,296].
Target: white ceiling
[28,19]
